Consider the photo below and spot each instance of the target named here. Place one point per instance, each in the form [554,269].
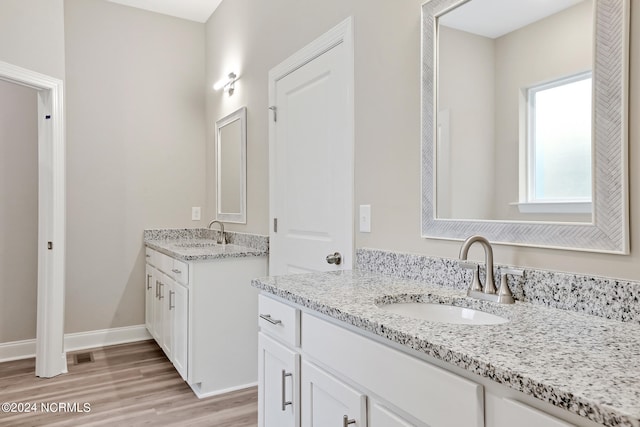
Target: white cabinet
[150,299]
[327,401]
[278,376]
[179,324]
[511,413]
[339,371]
[189,309]
[380,416]
[167,316]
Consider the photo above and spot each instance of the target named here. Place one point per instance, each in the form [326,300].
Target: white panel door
[278,384]
[311,163]
[326,401]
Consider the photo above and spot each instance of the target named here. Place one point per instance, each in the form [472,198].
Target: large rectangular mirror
[524,122]
[231,167]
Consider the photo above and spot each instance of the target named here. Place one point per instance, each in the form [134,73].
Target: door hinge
[49,245]
[275,112]
[275,225]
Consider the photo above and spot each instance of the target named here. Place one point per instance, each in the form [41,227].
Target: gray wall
[32,34]
[255,36]
[135,150]
[18,212]
[136,129]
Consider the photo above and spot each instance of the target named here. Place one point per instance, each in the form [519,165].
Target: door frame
[50,356]
[340,34]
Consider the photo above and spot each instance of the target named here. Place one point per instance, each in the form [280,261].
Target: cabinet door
[380,416]
[278,384]
[179,326]
[149,299]
[512,413]
[161,314]
[327,401]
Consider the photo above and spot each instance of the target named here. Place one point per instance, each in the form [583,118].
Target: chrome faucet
[221,237]
[488,292]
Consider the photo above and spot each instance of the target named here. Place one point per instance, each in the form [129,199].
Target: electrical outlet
[195,213]
[365,218]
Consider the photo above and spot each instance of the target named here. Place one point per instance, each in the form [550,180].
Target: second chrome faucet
[488,291]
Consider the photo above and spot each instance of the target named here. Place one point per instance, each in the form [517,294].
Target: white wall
[18,212]
[135,150]
[466,89]
[259,35]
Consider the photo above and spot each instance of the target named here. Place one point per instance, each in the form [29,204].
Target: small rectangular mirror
[231,167]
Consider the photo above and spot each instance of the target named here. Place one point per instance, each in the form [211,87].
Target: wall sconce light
[227,83]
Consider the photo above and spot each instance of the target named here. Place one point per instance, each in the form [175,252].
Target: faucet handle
[475,282]
[504,293]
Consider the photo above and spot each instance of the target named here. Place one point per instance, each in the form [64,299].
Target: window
[558,142]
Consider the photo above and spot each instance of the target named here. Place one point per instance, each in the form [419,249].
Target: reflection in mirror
[514,110]
[231,143]
[524,134]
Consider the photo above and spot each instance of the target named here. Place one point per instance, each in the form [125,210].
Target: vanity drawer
[180,271]
[279,320]
[150,256]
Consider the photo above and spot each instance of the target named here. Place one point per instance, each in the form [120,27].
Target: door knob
[335,258]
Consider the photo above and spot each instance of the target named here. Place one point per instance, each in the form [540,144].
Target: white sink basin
[443,313]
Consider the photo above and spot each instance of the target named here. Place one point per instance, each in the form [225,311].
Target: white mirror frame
[609,230]
[235,217]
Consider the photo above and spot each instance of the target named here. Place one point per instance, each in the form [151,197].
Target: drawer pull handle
[172,304]
[268,318]
[175,270]
[160,293]
[148,281]
[346,421]
[284,384]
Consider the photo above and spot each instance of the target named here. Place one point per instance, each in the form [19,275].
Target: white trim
[26,349]
[236,217]
[554,207]
[201,395]
[50,355]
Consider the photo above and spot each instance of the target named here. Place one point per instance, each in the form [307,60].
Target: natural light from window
[560,140]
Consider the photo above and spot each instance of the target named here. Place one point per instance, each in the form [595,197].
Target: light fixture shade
[226,83]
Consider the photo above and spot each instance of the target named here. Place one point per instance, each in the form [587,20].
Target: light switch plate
[365,218]
[195,213]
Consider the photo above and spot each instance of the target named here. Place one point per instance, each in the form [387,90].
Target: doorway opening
[50,356]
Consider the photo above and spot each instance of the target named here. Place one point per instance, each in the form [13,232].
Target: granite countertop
[585,364]
[188,249]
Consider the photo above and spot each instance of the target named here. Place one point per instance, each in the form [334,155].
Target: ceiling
[193,10]
[494,18]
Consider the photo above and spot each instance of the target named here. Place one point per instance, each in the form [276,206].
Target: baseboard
[26,349]
[201,395]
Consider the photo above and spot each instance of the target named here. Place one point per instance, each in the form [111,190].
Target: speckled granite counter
[585,364]
[199,244]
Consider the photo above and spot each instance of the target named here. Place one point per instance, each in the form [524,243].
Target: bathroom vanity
[331,355]
[196,289]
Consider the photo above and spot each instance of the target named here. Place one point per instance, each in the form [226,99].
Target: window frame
[528,203]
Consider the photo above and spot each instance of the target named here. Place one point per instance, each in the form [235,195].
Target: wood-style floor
[125,385]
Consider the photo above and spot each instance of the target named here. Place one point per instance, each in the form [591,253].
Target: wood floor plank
[125,385]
